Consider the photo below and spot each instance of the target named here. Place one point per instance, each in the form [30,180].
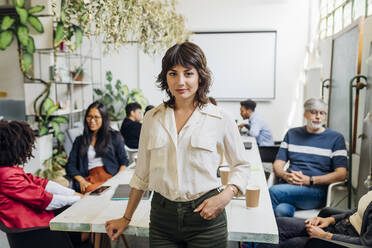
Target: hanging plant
[18,28]
[66,31]
[154,25]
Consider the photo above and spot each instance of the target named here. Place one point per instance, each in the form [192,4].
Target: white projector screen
[242,63]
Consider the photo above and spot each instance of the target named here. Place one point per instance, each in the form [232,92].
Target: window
[338,14]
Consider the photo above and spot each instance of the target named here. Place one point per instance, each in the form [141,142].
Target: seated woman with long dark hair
[26,201]
[98,154]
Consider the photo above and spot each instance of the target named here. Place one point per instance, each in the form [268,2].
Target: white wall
[291,20]
[11,79]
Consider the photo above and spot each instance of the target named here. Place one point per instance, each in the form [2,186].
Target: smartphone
[99,190]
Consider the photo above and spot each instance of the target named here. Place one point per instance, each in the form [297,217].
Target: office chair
[268,155]
[132,152]
[41,237]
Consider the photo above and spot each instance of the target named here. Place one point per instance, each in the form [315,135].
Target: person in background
[256,126]
[180,149]
[98,154]
[26,201]
[317,157]
[131,126]
[148,108]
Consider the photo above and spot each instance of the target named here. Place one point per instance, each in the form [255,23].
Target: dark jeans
[286,198]
[292,231]
[174,224]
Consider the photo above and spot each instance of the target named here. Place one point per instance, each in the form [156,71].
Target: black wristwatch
[311,180]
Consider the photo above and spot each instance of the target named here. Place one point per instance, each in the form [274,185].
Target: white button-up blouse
[182,167]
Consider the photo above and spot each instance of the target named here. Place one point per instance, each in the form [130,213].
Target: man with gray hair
[317,157]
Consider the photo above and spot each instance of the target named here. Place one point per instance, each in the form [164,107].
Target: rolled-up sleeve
[236,156]
[140,178]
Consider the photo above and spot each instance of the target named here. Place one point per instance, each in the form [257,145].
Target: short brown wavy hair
[16,143]
[186,54]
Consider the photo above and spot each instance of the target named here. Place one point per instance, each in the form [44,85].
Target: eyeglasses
[96,118]
[315,112]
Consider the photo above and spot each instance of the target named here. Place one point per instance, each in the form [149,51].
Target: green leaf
[22,33]
[108,99]
[47,104]
[84,17]
[78,36]
[126,90]
[60,34]
[43,131]
[51,110]
[69,34]
[55,152]
[60,119]
[118,84]
[108,87]
[22,13]
[36,24]
[36,9]
[26,61]
[98,92]
[7,23]
[109,76]
[63,15]
[38,172]
[30,45]
[6,38]
[61,137]
[56,128]
[19,3]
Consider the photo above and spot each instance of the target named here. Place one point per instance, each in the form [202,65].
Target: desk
[91,213]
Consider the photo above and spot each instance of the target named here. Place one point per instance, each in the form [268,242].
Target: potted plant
[54,168]
[117,97]
[77,74]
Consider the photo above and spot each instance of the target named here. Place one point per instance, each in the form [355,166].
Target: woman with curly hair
[181,143]
[26,201]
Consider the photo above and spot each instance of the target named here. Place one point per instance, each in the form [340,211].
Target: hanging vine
[153,25]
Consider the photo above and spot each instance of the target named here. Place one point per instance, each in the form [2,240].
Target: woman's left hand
[315,231]
[211,207]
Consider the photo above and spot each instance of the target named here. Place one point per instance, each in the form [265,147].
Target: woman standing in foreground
[180,147]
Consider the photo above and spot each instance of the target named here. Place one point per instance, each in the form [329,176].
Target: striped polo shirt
[313,154]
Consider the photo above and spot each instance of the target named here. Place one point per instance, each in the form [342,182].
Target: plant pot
[116,125]
[78,77]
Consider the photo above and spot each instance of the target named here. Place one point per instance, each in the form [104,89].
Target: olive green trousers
[174,224]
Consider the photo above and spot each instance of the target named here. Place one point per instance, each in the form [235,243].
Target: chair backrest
[70,136]
[268,153]
[131,153]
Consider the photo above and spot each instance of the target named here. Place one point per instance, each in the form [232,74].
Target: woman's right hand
[116,227]
[84,185]
[320,222]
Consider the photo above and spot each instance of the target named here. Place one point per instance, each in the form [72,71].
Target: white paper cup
[252,196]
[224,173]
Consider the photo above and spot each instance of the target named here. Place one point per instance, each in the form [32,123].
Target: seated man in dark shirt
[131,126]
